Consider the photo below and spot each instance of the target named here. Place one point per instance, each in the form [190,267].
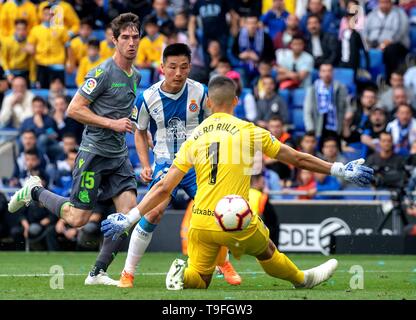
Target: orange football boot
[230,275]
[126,280]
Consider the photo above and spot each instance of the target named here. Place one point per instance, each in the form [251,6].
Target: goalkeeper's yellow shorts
[203,245]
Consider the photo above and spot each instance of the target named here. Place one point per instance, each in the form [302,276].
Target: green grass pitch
[27,276]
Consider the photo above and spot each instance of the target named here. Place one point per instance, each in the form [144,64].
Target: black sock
[107,254]
[49,200]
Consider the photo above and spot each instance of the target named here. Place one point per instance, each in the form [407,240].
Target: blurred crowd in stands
[334,78]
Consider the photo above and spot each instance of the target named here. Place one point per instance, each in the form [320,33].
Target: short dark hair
[369,88]
[277,118]
[150,20]
[69,135]
[297,36]
[177,49]
[386,133]
[87,21]
[330,138]
[94,43]
[313,15]
[224,59]
[29,131]
[39,99]
[20,21]
[405,105]
[124,21]
[32,152]
[221,90]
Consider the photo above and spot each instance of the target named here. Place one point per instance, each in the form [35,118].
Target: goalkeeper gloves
[353,172]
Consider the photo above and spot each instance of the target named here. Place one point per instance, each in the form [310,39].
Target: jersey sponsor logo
[84,197]
[273,138]
[134,113]
[193,106]
[118,85]
[89,85]
[98,72]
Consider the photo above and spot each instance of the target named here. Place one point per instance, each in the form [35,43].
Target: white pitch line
[164,273]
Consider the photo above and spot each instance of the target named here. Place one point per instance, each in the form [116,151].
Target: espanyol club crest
[193,107]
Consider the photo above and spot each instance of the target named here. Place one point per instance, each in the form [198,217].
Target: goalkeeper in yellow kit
[221,149]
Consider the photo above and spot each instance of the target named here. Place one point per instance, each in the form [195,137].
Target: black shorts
[97,178]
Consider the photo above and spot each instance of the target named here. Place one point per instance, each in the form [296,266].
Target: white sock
[139,242]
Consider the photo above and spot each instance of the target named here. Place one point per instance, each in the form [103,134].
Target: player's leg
[62,207]
[139,241]
[98,274]
[278,265]
[120,186]
[188,184]
[202,254]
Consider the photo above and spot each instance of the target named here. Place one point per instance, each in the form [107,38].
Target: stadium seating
[146,80]
[43,93]
[412,35]
[376,63]
[70,80]
[346,77]
[297,119]
[98,34]
[298,97]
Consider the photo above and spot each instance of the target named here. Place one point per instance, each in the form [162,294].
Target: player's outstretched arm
[353,171]
[118,223]
[78,110]
[142,148]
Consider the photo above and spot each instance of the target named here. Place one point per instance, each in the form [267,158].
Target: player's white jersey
[171,118]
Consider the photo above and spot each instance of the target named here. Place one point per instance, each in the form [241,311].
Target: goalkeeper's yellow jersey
[221,150]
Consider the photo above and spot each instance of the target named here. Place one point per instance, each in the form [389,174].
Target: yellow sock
[280,266]
[192,280]
[222,256]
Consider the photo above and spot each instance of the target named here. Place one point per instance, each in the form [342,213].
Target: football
[233,213]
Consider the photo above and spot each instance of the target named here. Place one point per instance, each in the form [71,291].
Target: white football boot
[23,196]
[319,274]
[174,278]
[100,279]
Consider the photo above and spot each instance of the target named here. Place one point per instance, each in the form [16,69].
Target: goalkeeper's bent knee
[280,266]
[192,280]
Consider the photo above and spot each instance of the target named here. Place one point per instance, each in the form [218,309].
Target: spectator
[215,54]
[357,116]
[387,29]
[306,182]
[163,17]
[44,127]
[351,41]
[181,21]
[260,205]
[214,23]
[294,65]
[308,143]
[330,150]
[56,89]
[265,69]
[400,97]
[271,104]
[32,167]
[396,81]
[326,183]
[4,85]
[323,46]
[63,177]
[251,45]
[17,106]
[90,61]
[354,18]
[403,130]
[65,124]
[47,42]
[28,142]
[246,108]
[15,59]
[247,8]
[325,104]
[274,20]
[276,128]
[282,39]
[222,68]
[316,7]
[388,166]
[17,10]
[150,50]
[63,15]
[370,136]
[107,47]
[100,13]
[78,46]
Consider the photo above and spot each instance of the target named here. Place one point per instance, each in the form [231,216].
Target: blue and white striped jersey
[171,118]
